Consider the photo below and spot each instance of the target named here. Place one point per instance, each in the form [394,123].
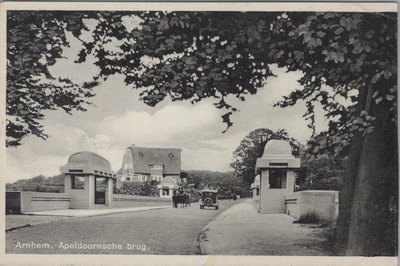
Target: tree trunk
[346,195]
[366,226]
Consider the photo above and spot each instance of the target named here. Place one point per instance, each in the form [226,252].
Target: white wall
[324,203]
[44,201]
[127,201]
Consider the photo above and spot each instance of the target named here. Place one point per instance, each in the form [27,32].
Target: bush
[312,218]
[309,218]
[147,188]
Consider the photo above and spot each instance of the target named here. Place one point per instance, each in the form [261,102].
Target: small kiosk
[89,181]
[255,187]
[167,187]
[277,175]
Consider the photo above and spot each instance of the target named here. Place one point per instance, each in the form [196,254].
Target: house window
[77,182]
[156,178]
[257,191]
[277,178]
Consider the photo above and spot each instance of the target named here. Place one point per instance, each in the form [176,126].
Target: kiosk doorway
[100,190]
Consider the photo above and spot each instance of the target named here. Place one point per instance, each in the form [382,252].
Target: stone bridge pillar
[277,175]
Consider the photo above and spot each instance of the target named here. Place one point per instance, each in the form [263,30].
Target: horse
[184,200]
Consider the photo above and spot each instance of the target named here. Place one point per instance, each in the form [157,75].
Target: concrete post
[89,190]
[67,183]
[109,192]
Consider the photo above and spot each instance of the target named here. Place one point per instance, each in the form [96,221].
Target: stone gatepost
[89,181]
[277,175]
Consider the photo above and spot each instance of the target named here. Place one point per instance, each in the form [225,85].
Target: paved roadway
[165,231]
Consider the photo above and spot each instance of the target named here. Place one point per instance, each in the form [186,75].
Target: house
[142,164]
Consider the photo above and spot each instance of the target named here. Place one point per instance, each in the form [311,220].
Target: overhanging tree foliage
[35,41]
[197,55]
[252,147]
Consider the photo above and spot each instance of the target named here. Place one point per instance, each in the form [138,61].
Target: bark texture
[367,224]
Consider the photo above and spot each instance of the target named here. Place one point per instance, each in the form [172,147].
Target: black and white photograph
[204,130]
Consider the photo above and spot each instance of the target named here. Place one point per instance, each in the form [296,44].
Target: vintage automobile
[209,198]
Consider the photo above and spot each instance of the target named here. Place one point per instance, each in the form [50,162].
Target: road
[164,231]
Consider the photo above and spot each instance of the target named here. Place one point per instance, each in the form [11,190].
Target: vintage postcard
[210,133]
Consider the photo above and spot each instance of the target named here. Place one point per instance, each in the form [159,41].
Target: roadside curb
[18,227]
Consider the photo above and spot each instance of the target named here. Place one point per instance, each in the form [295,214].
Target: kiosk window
[78,182]
[277,178]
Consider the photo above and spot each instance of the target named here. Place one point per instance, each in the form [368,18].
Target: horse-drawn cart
[184,200]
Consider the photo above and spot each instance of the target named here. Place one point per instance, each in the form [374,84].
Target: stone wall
[127,201]
[43,201]
[29,201]
[323,203]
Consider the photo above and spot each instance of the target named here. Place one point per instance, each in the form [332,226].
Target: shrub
[308,218]
[147,188]
[313,218]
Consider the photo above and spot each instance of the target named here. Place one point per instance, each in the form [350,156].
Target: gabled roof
[170,158]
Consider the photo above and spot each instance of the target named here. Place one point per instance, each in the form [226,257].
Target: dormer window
[141,154]
[171,155]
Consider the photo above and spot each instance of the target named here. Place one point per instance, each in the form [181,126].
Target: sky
[118,119]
